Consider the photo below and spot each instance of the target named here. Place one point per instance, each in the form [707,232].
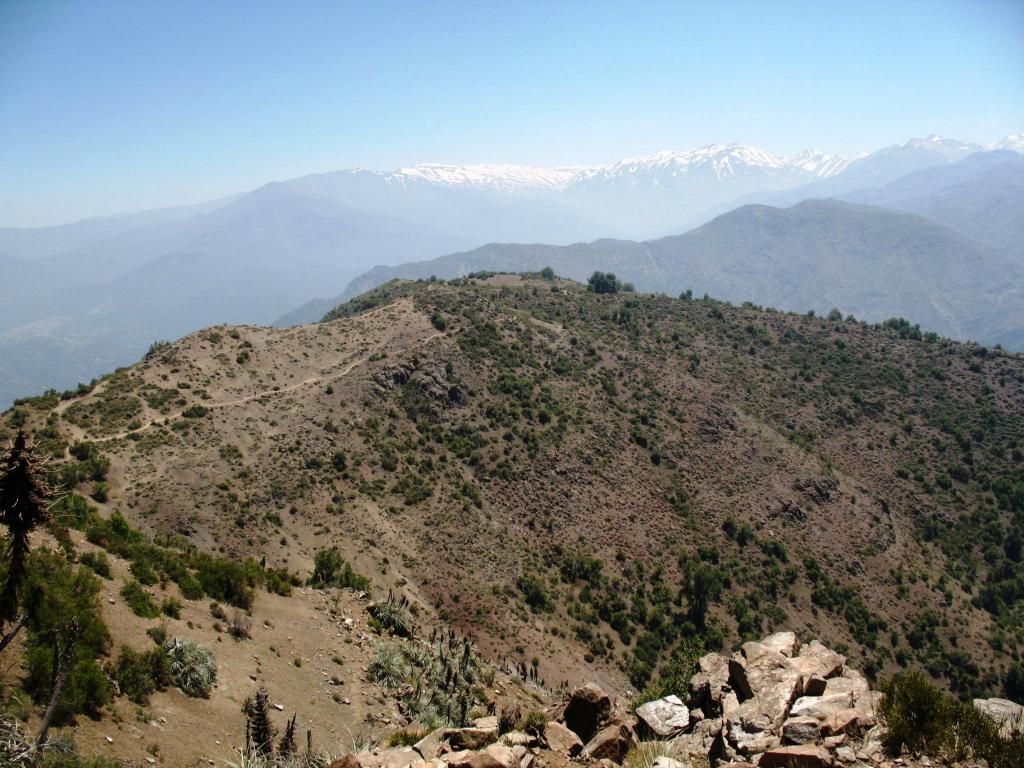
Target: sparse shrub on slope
[924,720]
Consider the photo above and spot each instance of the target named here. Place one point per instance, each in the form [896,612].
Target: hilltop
[581,481]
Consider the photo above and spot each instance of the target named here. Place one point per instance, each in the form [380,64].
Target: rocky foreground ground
[774,704]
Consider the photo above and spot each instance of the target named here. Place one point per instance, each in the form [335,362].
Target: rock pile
[774,704]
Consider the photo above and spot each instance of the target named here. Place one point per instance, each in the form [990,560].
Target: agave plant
[193,667]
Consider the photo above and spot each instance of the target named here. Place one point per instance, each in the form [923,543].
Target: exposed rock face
[710,684]
[665,717]
[767,706]
[612,743]
[801,730]
[1008,714]
[588,708]
[560,739]
[801,756]
[815,659]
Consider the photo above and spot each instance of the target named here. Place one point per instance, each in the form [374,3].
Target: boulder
[850,681]
[587,710]
[820,707]
[471,738]
[801,730]
[495,756]
[816,685]
[707,686]
[505,756]
[815,659]
[348,761]
[781,642]
[705,740]
[750,729]
[396,757]
[665,717]
[611,742]
[518,739]
[488,723]
[432,745]
[560,739]
[1008,714]
[846,721]
[799,756]
[767,675]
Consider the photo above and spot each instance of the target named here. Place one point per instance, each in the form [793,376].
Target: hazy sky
[108,107]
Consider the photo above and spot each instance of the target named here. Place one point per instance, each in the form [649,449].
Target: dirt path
[318,379]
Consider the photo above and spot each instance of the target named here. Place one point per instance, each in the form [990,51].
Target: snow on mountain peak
[489,176]
[1014,142]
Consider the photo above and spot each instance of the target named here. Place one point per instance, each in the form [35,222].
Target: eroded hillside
[580,481]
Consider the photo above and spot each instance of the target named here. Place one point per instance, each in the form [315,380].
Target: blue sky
[107,107]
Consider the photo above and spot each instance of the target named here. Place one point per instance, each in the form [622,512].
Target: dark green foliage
[141,674]
[924,720]
[139,600]
[54,594]
[676,673]
[534,593]
[1013,687]
[603,282]
[96,562]
[24,504]
[330,569]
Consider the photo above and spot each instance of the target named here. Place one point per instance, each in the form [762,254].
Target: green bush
[924,720]
[171,607]
[141,674]
[330,569]
[54,594]
[139,600]
[96,562]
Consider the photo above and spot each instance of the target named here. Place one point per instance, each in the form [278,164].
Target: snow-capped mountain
[503,178]
[719,163]
[1014,142]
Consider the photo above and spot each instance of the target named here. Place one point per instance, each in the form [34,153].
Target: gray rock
[665,717]
[801,730]
[1008,714]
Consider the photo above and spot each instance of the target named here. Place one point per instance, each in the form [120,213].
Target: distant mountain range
[94,294]
[816,255]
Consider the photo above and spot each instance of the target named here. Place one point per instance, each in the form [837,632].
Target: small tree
[603,282]
[24,504]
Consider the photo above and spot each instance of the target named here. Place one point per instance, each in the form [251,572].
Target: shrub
[171,606]
[392,616]
[192,667]
[96,562]
[534,593]
[239,626]
[603,282]
[330,569]
[53,594]
[923,719]
[139,675]
[139,600]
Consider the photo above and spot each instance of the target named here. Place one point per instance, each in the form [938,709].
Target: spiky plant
[24,504]
[193,667]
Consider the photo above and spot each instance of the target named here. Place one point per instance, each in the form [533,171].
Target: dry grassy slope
[793,424]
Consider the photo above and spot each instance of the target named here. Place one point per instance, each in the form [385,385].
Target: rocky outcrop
[587,709]
[665,717]
[1008,714]
[774,704]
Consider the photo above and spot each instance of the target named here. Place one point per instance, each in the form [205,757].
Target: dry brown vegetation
[580,481]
